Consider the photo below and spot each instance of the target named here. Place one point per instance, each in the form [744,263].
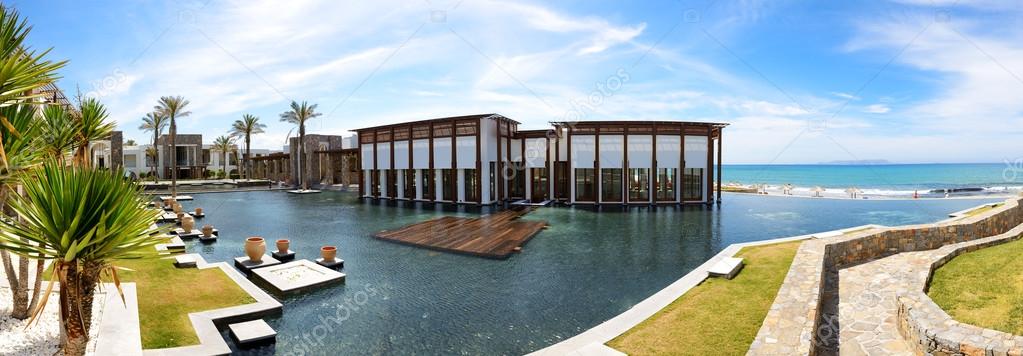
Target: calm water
[894,178]
[585,269]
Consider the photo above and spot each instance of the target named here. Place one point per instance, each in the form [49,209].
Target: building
[195,159]
[486,159]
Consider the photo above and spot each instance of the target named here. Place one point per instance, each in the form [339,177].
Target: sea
[966,179]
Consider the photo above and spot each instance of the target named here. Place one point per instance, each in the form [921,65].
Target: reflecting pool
[587,267]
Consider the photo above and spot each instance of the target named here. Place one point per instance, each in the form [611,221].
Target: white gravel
[43,337]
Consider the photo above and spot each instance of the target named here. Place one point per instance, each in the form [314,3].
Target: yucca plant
[19,138]
[298,115]
[246,127]
[92,126]
[59,132]
[83,220]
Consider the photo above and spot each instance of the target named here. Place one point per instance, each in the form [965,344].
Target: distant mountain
[863,162]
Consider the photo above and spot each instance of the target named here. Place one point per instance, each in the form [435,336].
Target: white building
[486,159]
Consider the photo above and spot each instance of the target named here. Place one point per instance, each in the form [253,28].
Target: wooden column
[654,176]
[547,166]
[720,135]
[682,165]
[710,164]
[430,182]
[362,172]
[479,164]
[507,153]
[375,175]
[411,158]
[596,165]
[571,168]
[626,176]
[498,172]
[394,194]
[454,163]
[557,158]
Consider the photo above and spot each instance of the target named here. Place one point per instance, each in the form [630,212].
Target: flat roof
[450,118]
[637,123]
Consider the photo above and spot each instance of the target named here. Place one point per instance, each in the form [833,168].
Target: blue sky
[801,82]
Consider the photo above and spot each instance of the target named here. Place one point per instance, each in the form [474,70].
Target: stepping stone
[168,216]
[296,276]
[300,191]
[243,263]
[285,256]
[185,261]
[212,238]
[335,264]
[252,332]
[727,268]
[175,244]
[197,216]
[191,234]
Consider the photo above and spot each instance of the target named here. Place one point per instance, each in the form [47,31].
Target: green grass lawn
[167,294]
[983,287]
[718,317]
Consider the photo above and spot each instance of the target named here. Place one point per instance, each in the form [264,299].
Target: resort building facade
[195,159]
[486,159]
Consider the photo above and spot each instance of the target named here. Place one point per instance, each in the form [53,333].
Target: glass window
[470,185]
[410,184]
[693,189]
[374,182]
[561,179]
[517,186]
[447,177]
[428,185]
[639,184]
[611,184]
[585,184]
[392,183]
[665,184]
[493,180]
[539,184]
[129,161]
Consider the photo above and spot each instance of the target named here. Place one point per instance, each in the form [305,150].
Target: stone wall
[795,323]
[933,332]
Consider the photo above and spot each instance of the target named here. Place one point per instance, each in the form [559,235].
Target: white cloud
[877,109]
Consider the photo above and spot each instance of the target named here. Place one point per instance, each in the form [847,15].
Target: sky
[907,81]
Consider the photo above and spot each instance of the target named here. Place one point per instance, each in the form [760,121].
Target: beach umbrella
[852,191]
[788,189]
[817,191]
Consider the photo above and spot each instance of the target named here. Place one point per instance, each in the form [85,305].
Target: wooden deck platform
[494,236]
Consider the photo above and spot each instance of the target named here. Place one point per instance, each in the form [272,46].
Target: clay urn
[207,230]
[328,253]
[283,245]
[198,211]
[177,208]
[255,247]
[188,223]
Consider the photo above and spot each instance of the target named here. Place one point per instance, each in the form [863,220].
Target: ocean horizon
[885,179]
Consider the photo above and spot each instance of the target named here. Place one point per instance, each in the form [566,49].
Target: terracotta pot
[328,253]
[177,208]
[255,247]
[283,245]
[198,211]
[158,204]
[180,215]
[207,230]
[188,223]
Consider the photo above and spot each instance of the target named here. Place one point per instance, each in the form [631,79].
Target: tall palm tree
[83,220]
[246,127]
[173,107]
[298,115]
[23,72]
[59,132]
[224,145]
[155,122]
[93,126]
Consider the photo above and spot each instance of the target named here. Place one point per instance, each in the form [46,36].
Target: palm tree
[173,107]
[23,72]
[93,125]
[246,127]
[155,122]
[83,220]
[298,115]
[224,145]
